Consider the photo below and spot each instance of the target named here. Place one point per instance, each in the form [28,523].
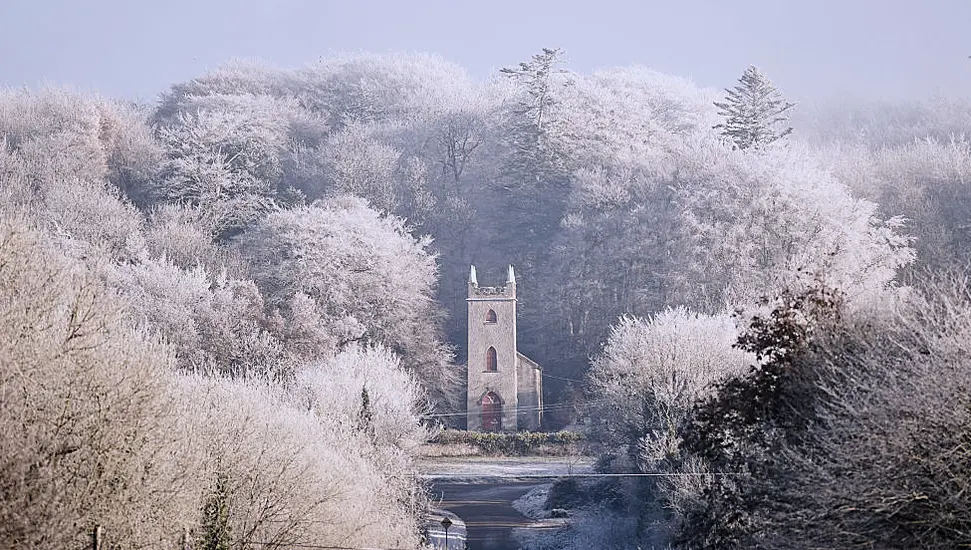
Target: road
[481,492]
[487,510]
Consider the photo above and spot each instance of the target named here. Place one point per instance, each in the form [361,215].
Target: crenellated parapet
[507,292]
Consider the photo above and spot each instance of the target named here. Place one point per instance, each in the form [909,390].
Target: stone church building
[505,391]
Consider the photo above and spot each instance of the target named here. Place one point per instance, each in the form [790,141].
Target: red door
[491,413]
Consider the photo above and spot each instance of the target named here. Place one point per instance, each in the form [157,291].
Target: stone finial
[511,278]
[472,279]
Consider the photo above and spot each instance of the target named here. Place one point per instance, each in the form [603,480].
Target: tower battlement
[507,292]
[492,292]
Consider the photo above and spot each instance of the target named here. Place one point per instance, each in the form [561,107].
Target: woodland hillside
[235,312]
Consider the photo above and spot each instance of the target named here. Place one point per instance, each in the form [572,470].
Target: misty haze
[538,275]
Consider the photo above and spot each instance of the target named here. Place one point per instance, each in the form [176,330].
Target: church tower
[504,386]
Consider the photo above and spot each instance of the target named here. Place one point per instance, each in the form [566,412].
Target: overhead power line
[553,407]
[319,546]
[584,475]
[563,378]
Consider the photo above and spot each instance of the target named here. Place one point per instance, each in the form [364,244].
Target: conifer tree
[532,127]
[365,416]
[216,533]
[754,111]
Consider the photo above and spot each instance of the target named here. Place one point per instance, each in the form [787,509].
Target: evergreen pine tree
[365,416]
[216,533]
[754,111]
[535,183]
[535,178]
[530,134]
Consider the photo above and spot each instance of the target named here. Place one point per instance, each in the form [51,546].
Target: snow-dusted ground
[482,469]
[532,503]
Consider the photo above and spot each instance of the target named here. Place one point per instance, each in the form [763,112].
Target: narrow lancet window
[491,317]
[492,362]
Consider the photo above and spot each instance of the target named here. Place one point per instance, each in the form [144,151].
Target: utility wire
[445,477]
[562,378]
[551,407]
[319,546]
[559,406]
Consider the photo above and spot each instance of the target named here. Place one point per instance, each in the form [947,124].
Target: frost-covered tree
[703,227]
[337,90]
[778,221]
[619,237]
[850,429]
[755,112]
[651,372]
[98,429]
[460,136]
[644,386]
[520,210]
[533,126]
[68,161]
[537,77]
[925,181]
[224,162]
[617,217]
[213,322]
[360,165]
[89,434]
[277,469]
[334,390]
[366,276]
[176,232]
[84,387]
[877,124]
[888,465]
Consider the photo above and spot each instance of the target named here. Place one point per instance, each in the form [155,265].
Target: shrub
[514,444]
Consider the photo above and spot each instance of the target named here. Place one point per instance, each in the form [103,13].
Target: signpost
[446,523]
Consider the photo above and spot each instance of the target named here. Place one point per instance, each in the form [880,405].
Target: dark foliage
[854,432]
[571,494]
[216,532]
[744,428]
[776,398]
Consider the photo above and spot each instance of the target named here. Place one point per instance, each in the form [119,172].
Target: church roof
[529,361]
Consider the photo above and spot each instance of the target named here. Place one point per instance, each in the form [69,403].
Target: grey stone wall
[529,385]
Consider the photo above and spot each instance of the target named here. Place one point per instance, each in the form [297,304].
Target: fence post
[97,539]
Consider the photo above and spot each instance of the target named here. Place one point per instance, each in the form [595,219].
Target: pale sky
[812,49]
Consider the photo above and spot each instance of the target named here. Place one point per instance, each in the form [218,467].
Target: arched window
[492,363]
[491,317]
[491,412]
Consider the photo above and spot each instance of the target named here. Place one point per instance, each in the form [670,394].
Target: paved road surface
[487,510]
[481,492]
